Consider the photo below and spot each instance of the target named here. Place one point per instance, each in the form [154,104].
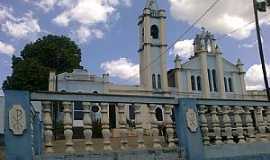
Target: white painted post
[154,127]
[87,125]
[139,127]
[204,125]
[105,126]
[68,127]
[169,126]
[47,120]
[123,126]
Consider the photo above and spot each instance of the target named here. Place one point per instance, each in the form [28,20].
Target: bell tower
[152,48]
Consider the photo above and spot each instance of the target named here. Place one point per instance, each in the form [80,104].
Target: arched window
[193,83]
[159,114]
[154,81]
[199,83]
[230,84]
[214,80]
[154,32]
[226,85]
[209,79]
[159,81]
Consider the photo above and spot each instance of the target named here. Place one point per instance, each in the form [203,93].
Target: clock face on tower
[17,120]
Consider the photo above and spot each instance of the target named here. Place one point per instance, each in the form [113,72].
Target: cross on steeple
[151,4]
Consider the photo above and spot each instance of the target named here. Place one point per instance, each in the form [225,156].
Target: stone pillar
[267,118]
[216,124]
[178,67]
[68,127]
[249,125]
[154,127]
[204,75]
[204,124]
[189,88]
[163,58]
[169,126]
[260,123]
[87,125]
[123,126]
[239,124]
[139,127]
[47,120]
[227,125]
[220,75]
[105,126]
[240,66]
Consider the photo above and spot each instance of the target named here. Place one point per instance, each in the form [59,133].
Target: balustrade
[87,126]
[221,124]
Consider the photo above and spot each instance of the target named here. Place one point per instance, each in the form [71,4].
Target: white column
[47,120]
[68,127]
[87,125]
[189,88]
[220,75]
[178,67]
[239,124]
[163,58]
[123,126]
[139,127]
[105,126]
[204,124]
[169,126]
[204,75]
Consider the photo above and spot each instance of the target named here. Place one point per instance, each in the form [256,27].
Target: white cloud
[225,17]
[184,49]
[83,34]
[18,27]
[46,5]
[6,48]
[87,12]
[123,69]
[254,77]
[92,17]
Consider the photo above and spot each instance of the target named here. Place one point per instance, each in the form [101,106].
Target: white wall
[2,115]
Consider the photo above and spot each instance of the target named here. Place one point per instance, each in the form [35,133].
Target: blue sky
[106,31]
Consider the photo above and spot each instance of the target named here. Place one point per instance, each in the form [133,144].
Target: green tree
[31,70]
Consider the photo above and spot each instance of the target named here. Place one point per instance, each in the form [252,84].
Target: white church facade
[207,74]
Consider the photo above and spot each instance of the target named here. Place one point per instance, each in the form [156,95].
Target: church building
[207,74]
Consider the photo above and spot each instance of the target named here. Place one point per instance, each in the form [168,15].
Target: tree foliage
[31,70]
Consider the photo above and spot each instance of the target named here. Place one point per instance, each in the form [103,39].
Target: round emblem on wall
[17,120]
[192,121]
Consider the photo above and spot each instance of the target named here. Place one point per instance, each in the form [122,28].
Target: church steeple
[151,4]
[152,48]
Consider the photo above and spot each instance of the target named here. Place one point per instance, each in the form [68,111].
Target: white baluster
[68,127]
[139,127]
[105,127]
[260,123]
[87,125]
[154,126]
[204,124]
[47,120]
[239,124]
[249,123]
[123,126]
[169,126]
[216,124]
[227,124]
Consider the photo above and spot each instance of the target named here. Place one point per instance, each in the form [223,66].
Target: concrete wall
[2,107]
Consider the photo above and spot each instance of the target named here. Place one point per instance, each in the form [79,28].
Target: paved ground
[1,153]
